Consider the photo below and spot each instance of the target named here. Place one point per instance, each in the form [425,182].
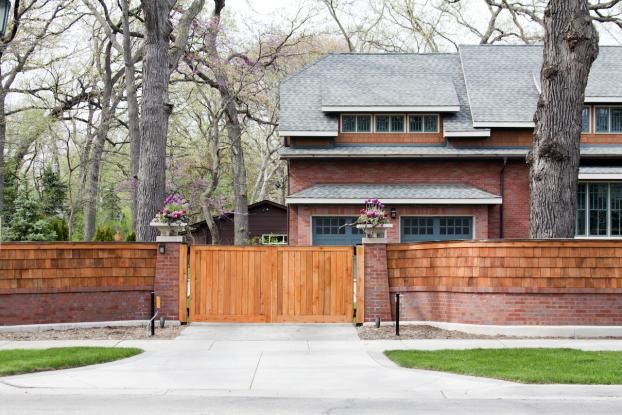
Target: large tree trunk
[132,107]
[154,115]
[570,47]
[2,144]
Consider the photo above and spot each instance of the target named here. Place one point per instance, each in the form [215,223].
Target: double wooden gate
[271,284]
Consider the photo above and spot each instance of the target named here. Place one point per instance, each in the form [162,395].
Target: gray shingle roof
[432,151]
[367,89]
[391,192]
[490,83]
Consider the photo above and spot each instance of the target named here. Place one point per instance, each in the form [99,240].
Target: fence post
[167,284]
[377,301]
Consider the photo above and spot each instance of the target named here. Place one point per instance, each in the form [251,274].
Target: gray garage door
[436,228]
[334,230]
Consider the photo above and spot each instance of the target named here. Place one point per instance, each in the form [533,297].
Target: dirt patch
[96,333]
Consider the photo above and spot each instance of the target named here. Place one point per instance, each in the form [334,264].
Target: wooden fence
[68,282]
[68,266]
[512,266]
[288,284]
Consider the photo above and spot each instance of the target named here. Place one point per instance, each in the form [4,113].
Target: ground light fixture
[5,8]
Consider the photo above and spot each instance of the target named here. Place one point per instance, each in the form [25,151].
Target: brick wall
[483,174]
[376,283]
[167,280]
[549,282]
[83,282]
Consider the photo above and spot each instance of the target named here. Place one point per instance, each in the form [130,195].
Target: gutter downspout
[502,191]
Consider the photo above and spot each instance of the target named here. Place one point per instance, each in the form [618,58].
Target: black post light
[5,8]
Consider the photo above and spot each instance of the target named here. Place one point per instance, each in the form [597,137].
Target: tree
[28,223]
[53,192]
[158,64]
[570,48]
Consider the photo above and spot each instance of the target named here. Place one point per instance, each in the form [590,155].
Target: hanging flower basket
[373,221]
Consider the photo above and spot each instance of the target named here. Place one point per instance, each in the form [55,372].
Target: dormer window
[608,120]
[423,123]
[356,123]
[390,123]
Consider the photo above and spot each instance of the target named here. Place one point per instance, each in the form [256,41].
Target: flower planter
[169,229]
[375,234]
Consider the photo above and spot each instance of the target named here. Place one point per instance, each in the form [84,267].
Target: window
[608,119]
[436,228]
[335,230]
[330,226]
[585,120]
[351,123]
[390,123]
[423,123]
[599,209]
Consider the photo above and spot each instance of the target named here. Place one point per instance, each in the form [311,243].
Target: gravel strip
[96,333]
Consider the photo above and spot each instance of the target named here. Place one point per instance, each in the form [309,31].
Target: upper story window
[423,123]
[608,120]
[585,120]
[356,123]
[390,123]
[393,123]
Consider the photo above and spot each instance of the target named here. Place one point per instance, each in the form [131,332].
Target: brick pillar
[167,279]
[377,298]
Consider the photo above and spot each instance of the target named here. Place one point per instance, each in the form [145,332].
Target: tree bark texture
[132,107]
[155,112]
[570,47]
[234,131]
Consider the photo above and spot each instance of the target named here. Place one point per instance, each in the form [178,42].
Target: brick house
[441,139]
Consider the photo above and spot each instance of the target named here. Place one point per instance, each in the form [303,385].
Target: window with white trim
[390,123]
[356,123]
[585,120]
[608,119]
[599,209]
[423,123]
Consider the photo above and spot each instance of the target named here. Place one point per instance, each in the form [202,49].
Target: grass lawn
[13,362]
[520,365]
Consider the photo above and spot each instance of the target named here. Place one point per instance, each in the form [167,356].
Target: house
[267,223]
[441,139]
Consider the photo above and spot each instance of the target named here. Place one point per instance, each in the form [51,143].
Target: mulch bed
[96,333]
[412,331]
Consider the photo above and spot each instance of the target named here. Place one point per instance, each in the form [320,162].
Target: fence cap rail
[78,245]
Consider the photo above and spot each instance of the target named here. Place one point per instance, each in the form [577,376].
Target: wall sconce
[393,213]
[162,249]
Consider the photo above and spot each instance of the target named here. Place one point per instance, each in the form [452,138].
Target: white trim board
[600,176]
[405,108]
[503,124]
[328,201]
[483,133]
[602,100]
[289,133]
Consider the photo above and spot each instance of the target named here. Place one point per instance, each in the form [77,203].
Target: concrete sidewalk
[290,361]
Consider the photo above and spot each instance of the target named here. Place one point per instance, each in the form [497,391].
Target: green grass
[521,365]
[13,362]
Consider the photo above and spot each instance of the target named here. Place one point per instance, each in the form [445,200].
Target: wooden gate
[271,284]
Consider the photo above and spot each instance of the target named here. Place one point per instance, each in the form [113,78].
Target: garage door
[436,228]
[334,230]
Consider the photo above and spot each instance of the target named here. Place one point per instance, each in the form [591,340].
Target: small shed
[267,221]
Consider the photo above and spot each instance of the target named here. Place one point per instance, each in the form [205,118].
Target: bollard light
[5,8]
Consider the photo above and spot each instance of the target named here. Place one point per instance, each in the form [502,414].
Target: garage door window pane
[418,226]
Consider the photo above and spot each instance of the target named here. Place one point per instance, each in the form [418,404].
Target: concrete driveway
[271,366]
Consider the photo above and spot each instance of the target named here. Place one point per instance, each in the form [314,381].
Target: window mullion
[608,209]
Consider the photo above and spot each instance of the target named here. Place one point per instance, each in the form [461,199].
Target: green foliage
[10,191]
[53,192]
[104,233]
[28,223]
[131,237]
[60,228]
[110,208]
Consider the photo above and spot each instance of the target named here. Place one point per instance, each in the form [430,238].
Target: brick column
[167,279]
[377,298]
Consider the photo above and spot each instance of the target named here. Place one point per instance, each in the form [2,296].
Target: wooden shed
[264,218]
